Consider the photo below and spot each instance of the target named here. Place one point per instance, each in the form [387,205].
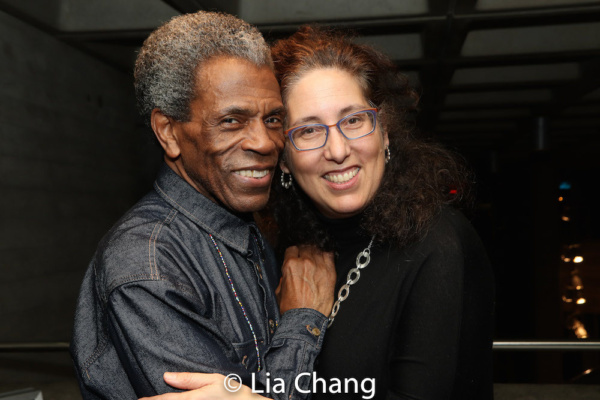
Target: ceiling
[496,76]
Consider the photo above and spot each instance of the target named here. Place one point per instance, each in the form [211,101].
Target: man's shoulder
[136,224]
[128,252]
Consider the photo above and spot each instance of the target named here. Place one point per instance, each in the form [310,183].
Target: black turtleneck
[418,323]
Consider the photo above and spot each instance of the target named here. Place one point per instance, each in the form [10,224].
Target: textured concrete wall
[71,162]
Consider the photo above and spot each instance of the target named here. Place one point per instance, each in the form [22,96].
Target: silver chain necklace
[352,277]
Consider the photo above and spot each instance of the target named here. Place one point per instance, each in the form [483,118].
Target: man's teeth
[252,173]
[341,178]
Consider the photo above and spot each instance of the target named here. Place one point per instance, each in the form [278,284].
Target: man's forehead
[236,85]
[228,68]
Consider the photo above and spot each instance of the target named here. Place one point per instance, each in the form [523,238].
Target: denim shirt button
[258,269]
[314,330]
[271,326]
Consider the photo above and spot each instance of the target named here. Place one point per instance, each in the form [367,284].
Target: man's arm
[182,337]
[308,279]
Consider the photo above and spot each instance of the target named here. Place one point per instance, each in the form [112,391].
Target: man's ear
[164,129]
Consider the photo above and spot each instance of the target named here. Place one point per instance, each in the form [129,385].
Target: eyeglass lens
[352,126]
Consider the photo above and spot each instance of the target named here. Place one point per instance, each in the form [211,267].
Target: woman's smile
[341,177]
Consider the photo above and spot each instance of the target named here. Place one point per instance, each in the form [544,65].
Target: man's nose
[262,140]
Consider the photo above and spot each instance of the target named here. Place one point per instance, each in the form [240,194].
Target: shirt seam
[198,221]
[104,342]
[152,242]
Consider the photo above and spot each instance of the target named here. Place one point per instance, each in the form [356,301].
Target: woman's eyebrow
[351,108]
[306,120]
[341,114]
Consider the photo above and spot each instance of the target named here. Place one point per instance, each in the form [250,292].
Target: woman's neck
[345,232]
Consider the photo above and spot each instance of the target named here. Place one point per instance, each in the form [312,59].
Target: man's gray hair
[165,69]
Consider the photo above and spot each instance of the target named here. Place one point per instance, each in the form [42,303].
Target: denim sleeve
[157,327]
[295,347]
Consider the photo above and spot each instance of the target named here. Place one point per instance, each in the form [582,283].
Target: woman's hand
[204,387]
[308,280]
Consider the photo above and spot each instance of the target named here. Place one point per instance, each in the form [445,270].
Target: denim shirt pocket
[247,354]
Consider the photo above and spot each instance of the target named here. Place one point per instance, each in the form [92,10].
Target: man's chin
[247,204]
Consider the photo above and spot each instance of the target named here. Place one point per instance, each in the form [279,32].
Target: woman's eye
[354,121]
[309,130]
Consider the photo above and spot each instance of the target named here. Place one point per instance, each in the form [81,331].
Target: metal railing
[566,345]
[34,346]
[525,345]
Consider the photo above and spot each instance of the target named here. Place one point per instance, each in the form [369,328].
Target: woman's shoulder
[450,254]
[450,226]
[450,236]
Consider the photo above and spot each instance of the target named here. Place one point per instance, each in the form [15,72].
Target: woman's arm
[443,346]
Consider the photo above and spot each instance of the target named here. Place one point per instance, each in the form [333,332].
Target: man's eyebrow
[277,111]
[236,110]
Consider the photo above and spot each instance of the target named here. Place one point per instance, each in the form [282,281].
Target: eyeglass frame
[373,111]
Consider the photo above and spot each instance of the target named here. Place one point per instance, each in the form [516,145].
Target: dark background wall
[74,156]
[72,159]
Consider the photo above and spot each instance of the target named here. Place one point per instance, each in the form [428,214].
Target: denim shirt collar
[228,228]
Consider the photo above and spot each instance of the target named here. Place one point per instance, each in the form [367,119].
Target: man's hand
[308,280]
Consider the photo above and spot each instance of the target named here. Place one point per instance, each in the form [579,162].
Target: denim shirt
[181,284]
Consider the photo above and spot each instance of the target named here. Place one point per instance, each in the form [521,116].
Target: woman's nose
[337,147]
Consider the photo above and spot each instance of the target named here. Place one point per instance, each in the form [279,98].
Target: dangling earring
[286,182]
[388,154]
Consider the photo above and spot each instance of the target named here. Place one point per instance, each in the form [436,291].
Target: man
[184,281]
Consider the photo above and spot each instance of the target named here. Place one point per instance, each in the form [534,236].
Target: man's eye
[230,121]
[274,122]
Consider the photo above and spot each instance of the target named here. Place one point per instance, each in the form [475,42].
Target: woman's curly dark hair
[421,176]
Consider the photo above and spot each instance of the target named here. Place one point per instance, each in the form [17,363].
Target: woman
[413,316]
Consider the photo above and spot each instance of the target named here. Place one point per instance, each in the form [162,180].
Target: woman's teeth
[252,173]
[341,178]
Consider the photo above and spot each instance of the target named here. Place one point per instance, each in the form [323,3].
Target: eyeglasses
[353,126]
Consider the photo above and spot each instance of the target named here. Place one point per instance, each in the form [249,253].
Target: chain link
[352,277]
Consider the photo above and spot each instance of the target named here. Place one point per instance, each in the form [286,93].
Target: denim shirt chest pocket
[247,310]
